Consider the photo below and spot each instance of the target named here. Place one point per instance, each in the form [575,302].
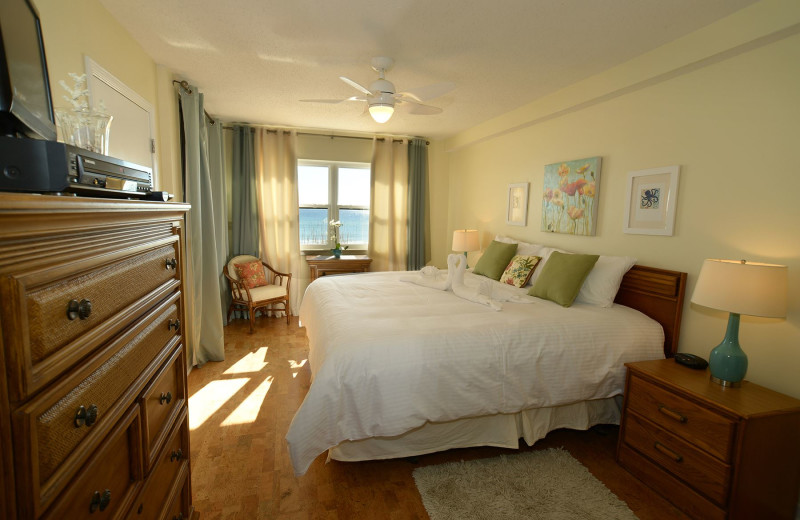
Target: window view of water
[314,228]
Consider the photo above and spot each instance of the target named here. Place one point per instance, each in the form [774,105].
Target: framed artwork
[570,196]
[517,209]
[651,201]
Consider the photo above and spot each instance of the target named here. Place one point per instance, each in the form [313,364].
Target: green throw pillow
[495,259]
[562,277]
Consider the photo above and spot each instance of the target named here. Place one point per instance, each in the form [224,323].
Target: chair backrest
[241,259]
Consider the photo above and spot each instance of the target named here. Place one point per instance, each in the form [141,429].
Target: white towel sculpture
[456,267]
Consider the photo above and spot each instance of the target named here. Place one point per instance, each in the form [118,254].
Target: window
[333,191]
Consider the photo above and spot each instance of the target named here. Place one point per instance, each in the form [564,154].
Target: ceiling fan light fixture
[380,112]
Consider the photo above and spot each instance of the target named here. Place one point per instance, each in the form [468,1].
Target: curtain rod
[185,86]
[274,131]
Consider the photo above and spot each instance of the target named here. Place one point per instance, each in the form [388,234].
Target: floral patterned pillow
[519,270]
[251,274]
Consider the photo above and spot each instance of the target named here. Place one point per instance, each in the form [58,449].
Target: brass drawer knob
[171,263]
[176,455]
[174,324]
[100,501]
[166,397]
[85,416]
[179,516]
[79,309]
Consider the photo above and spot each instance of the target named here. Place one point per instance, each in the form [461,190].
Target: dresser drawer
[65,423]
[163,482]
[106,485]
[179,508]
[54,327]
[697,468]
[696,424]
[161,402]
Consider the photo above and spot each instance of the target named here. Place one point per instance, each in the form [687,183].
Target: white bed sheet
[389,356]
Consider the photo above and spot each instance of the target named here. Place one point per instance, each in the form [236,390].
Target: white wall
[724,104]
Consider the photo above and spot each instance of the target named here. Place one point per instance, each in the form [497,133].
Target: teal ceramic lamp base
[728,362]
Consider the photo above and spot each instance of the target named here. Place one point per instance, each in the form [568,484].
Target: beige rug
[546,484]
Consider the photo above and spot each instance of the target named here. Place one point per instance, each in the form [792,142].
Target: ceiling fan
[382,97]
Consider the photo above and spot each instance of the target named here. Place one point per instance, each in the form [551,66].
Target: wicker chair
[252,299]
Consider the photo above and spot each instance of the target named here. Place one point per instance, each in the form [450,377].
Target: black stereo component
[50,167]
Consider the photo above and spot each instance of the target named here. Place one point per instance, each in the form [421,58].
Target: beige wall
[723,104]
[77,28]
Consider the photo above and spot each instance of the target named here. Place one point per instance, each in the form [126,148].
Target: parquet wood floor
[241,408]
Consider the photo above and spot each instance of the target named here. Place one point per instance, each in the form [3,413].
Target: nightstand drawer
[698,469]
[694,423]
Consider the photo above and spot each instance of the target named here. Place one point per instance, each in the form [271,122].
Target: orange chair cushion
[251,274]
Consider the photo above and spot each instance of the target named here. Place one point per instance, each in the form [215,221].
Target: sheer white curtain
[276,192]
[388,217]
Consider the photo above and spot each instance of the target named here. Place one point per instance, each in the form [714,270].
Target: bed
[400,370]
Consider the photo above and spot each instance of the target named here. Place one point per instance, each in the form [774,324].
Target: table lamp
[466,240]
[739,287]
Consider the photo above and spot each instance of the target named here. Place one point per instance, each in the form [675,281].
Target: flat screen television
[26,105]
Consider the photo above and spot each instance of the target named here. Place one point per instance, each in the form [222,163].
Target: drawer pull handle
[176,455]
[179,516]
[79,309]
[672,414]
[165,398]
[100,501]
[174,324]
[171,263]
[85,416]
[668,452]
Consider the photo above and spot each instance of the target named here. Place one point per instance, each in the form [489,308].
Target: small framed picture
[652,199]
[517,211]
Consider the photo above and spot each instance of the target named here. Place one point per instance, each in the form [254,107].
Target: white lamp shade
[381,113]
[741,287]
[466,240]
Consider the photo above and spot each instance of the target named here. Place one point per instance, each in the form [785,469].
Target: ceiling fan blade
[415,107]
[355,85]
[354,98]
[428,92]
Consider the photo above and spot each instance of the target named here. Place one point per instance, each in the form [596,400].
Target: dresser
[92,359]
[714,452]
[322,265]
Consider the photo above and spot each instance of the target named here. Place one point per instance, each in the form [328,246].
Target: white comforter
[387,356]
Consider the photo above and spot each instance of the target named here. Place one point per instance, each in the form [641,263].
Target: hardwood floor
[241,408]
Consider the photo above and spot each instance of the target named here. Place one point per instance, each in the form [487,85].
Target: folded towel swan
[456,267]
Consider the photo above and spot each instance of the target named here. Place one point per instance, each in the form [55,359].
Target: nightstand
[714,452]
[322,265]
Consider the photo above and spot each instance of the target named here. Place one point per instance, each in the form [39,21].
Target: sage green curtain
[216,161]
[243,194]
[204,310]
[417,203]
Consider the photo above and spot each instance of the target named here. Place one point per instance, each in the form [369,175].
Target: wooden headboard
[658,293]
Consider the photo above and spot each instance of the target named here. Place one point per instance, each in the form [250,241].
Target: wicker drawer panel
[115,468]
[695,467]
[162,482]
[110,289]
[161,402]
[698,425]
[110,382]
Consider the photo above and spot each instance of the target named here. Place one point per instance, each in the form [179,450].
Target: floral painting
[569,199]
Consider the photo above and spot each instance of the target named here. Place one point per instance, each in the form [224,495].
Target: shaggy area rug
[545,484]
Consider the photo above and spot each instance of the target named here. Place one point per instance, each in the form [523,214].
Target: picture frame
[652,201]
[570,196]
[517,204]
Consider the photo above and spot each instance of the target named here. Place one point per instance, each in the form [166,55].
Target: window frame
[333,206]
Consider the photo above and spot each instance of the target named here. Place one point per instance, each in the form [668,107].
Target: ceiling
[254,60]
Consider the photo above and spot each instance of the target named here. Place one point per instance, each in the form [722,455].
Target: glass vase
[85,129]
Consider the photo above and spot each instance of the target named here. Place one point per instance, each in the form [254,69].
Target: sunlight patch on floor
[252,362]
[247,411]
[211,398]
[295,366]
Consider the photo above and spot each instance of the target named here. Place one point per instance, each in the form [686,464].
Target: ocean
[314,228]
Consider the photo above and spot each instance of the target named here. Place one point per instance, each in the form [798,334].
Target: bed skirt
[501,430]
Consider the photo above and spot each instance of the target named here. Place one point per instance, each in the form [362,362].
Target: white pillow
[545,253]
[523,248]
[602,284]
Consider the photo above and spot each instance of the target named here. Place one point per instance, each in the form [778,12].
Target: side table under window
[321,265]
